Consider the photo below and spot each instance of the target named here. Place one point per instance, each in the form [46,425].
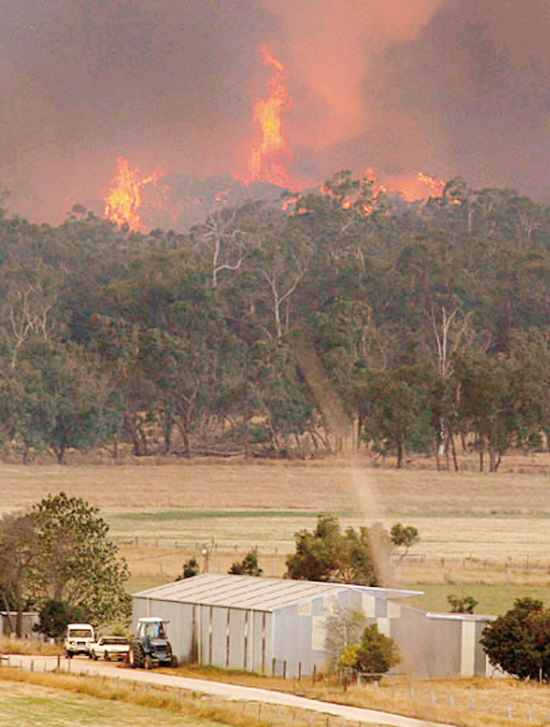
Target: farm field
[484,535]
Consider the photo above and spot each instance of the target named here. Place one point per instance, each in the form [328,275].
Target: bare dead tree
[225,241]
[450,330]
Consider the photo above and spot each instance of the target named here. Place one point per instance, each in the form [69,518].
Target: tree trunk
[246,441]
[60,454]
[399,454]
[453,450]
[8,614]
[167,432]
[134,436]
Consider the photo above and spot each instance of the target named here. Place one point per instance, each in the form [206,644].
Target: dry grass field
[486,535]
[53,699]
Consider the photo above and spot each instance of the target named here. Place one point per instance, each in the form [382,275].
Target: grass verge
[467,703]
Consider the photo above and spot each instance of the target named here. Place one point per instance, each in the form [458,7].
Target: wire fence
[513,563]
[397,694]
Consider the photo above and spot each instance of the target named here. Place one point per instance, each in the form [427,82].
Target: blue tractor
[150,646]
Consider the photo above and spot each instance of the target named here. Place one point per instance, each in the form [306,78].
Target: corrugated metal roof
[249,592]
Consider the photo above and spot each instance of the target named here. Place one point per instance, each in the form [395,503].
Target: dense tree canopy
[327,554]
[519,641]
[426,323]
[59,553]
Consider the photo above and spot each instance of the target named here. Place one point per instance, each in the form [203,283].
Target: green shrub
[519,641]
[375,654]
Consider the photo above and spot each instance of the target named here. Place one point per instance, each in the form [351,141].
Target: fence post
[273,665]
[314,674]
[284,669]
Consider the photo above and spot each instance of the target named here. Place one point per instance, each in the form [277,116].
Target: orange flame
[125,198]
[418,187]
[265,161]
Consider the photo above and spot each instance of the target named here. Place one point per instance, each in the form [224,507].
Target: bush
[519,641]
[462,604]
[190,569]
[54,617]
[248,566]
[375,654]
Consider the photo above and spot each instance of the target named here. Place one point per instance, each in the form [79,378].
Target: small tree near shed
[375,654]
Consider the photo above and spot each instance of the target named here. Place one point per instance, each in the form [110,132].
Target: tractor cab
[151,628]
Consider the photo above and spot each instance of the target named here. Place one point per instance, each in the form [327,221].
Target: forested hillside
[429,320]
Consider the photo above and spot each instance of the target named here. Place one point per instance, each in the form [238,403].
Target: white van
[78,639]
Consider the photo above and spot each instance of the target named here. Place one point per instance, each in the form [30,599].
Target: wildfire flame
[418,187]
[125,198]
[266,158]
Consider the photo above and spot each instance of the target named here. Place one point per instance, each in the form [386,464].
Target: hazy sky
[444,86]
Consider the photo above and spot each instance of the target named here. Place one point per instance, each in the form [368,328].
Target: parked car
[110,647]
[78,639]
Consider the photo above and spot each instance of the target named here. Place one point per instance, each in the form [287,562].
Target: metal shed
[266,625]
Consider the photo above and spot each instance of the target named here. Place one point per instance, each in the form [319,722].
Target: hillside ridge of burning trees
[181,200]
[428,321]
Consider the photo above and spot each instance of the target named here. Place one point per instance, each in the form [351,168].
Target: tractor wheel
[170,658]
[135,656]
[69,654]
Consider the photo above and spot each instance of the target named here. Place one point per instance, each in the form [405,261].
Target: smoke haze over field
[443,86]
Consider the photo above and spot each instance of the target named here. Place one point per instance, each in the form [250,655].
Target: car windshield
[115,640]
[79,633]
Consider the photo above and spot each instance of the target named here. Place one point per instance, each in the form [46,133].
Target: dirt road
[216,689]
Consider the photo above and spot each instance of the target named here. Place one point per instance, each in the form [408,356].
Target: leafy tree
[394,406]
[343,631]
[327,554]
[248,566]
[76,562]
[404,537]
[519,641]
[56,397]
[375,654]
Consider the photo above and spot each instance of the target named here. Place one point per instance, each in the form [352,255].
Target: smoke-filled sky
[446,87]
